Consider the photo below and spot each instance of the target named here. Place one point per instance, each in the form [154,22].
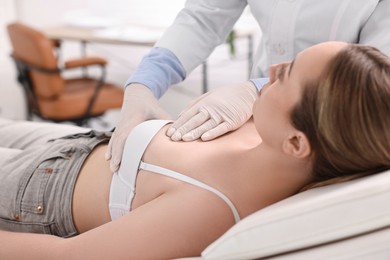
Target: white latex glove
[215,113]
[139,105]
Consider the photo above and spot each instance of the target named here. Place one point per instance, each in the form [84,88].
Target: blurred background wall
[223,69]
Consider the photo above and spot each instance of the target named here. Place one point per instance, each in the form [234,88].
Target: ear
[297,145]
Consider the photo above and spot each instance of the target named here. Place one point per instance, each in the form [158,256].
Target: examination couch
[348,220]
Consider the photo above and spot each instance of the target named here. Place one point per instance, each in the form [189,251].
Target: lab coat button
[17,217]
[278,49]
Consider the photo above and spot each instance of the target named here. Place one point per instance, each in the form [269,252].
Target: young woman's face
[271,111]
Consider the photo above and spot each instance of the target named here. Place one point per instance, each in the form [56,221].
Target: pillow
[310,218]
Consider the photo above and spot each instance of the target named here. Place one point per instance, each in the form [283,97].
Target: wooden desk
[74,33]
[105,36]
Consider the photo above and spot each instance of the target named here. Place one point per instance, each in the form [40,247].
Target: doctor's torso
[289,26]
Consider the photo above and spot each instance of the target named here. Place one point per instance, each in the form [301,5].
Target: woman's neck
[277,168]
[279,162]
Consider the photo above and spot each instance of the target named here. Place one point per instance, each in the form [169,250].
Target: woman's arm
[176,224]
[200,27]
[29,246]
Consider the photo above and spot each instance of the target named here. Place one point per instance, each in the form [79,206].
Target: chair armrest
[84,62]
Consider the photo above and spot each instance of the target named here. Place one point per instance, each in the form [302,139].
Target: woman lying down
[323,118]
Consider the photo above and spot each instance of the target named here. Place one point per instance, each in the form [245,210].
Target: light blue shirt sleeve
[259,82]
[158,70]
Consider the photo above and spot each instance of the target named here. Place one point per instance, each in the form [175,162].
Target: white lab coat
[288,26]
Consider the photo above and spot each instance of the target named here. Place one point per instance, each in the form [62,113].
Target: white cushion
[368,246]
[310,218]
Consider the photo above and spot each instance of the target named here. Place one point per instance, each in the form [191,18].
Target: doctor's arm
[198,29]
[156,72]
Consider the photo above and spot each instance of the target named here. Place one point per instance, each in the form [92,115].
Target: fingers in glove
[189,123]
[195,104]
[184,117]
[116,145]
[181,120]
[108,153]
[217,131]
[190,111]
[199,131]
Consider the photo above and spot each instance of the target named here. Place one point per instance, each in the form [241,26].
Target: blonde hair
[345,115]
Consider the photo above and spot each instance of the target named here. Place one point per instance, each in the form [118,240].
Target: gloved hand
[139,105]
[215,113]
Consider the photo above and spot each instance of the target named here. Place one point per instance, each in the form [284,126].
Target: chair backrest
[36,51]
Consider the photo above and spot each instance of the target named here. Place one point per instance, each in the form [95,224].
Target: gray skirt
[36,186]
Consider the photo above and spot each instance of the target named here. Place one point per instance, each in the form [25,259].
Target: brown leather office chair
[49,94]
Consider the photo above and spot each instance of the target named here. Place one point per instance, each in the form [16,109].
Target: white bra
[122,189]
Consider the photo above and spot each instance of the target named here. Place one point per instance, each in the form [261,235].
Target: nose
[265,87]
[272,70]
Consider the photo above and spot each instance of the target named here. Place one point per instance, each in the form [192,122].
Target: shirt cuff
[259,82]
[158,70]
